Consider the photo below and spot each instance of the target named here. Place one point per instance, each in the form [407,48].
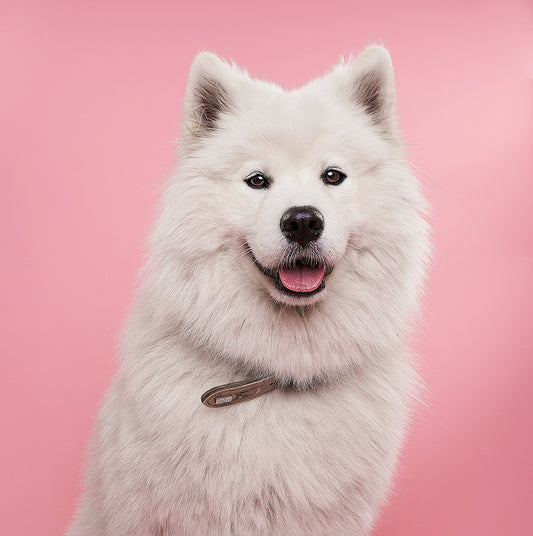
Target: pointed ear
[208,95]
[369,80]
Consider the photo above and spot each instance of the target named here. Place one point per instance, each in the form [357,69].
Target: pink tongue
[301,278]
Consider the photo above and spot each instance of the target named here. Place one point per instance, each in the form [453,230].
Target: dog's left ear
[369,83]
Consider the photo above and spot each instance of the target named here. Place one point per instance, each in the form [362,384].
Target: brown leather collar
[232,393]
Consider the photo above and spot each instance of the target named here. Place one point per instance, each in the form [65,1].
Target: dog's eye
[258,181]
[333,176]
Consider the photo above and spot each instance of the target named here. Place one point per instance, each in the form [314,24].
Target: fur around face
[315,460]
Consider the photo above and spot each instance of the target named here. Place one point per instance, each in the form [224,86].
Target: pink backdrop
[90,104]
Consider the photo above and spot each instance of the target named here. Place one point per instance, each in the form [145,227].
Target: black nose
[302,224]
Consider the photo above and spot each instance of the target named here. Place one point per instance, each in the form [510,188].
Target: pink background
[90,103]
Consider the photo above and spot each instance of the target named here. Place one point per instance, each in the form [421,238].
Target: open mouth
[301,277]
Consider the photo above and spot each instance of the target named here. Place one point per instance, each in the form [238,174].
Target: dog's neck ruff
[233,393]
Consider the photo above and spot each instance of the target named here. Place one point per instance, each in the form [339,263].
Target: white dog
[288,257]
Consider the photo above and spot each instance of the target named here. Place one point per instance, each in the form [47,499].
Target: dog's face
[289,166]
[297,182]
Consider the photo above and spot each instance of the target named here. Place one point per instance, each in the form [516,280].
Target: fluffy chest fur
[292,462]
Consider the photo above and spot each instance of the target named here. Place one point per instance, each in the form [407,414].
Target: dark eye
[258,181]
[333,176]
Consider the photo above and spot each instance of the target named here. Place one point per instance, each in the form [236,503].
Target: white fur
[314,461]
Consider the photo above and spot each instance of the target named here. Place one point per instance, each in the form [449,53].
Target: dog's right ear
[208,94]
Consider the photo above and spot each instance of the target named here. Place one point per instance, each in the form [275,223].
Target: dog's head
[291,205]
[288,167]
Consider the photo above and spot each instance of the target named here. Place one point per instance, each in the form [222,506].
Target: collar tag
[232,393]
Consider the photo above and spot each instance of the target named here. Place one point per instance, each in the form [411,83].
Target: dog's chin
[296,299]
[299,283]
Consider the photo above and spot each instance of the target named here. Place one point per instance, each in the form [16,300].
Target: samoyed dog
[266,378]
